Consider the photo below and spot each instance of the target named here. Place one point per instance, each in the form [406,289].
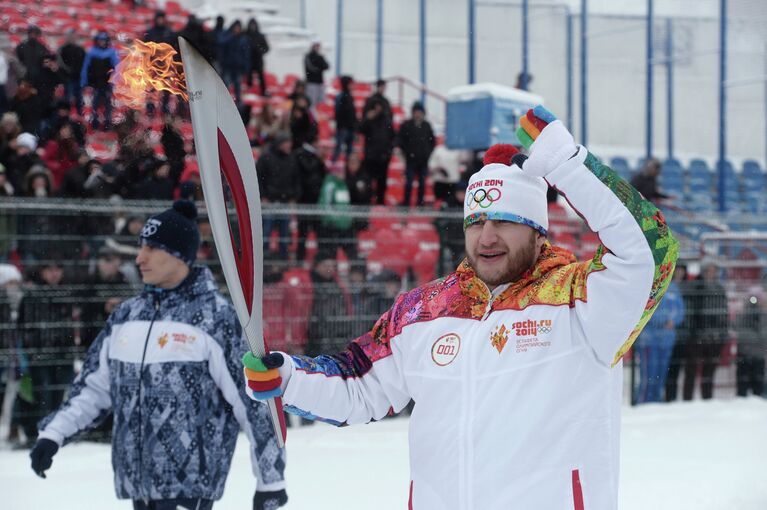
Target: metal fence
[375,253]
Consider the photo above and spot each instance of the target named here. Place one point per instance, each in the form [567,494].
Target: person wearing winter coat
[279,182]
[751,327]
[99,63]
[315,66]
[514,360]
[160,33]
[336,226]
[311,171]
[655,344]
[235,58]
[30,53]
[416,139]
[166,366]
[379,136]
[328,329]
[72,57]
[259,47]
[346,119]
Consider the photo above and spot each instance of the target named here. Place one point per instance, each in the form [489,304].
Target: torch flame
[148,66]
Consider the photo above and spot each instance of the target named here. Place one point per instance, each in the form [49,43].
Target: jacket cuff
[568,166]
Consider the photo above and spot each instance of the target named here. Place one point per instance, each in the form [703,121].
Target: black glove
[42,456]
[270,500]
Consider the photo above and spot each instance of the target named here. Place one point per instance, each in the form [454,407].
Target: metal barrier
[378,253]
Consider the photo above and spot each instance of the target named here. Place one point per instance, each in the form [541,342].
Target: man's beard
[517,262]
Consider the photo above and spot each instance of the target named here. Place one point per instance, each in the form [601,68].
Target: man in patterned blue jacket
[167,366]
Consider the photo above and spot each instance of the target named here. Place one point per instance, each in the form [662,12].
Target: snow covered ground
[700,455]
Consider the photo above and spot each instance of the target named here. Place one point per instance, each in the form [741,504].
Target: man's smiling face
[500,251]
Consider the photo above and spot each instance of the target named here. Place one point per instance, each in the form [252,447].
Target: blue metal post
[569,64]
[303,13]
[339,30]
[525,41]
[379,38]
[649,76]
[584,77]
[422,44]
[472,38]
[722,101]
[670,87]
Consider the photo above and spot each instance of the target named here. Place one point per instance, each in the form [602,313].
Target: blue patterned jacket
[167,365]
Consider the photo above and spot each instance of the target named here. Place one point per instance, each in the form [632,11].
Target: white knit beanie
[503,192]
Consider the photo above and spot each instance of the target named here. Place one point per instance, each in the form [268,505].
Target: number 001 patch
[445,349]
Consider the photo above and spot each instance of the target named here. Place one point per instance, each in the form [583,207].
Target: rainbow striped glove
[548,140]
[262,375]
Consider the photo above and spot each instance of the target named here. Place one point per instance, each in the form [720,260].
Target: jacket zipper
[469,454]
[156,299]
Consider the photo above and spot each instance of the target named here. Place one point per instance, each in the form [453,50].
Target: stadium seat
[621,167]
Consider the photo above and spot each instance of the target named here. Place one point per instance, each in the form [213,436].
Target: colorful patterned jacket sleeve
[632,268]
[362,383]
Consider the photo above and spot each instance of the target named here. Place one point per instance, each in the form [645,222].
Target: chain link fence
[330,273]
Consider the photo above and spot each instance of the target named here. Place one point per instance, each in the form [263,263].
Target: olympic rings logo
[482,198]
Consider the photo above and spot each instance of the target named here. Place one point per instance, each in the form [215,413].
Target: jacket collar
[551,258]
[198,281]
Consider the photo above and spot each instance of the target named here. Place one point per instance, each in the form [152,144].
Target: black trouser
[173,504]
[706,354]
[674,367]
[378,169]
[750,375]
[261,80]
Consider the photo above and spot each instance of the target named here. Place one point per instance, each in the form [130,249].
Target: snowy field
[702,456]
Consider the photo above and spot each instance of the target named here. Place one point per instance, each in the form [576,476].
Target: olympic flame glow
[148,66]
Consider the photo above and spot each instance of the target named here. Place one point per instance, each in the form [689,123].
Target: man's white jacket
[517,392]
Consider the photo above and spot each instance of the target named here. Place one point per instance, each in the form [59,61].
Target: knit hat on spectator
[27,140]
[501,191]
[175,231]
[9,273]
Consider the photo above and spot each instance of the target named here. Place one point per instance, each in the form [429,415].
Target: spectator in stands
[173,146]
[752,343]
[358,181]
[337,226]
[310,163]
[315,66]
[379,136]
[709,332]
[267,124]
[50,76]
[451,238]
[685,285]
[99,63]
[278,183]
[60,155]
[160,33]
[258,48]
[359,296]
[73,185]
[299,92]
[31,52]
[385,287]
[416,139]
[303,126]
[159,185]
[46,315]
[445,168]
[328,326]
[99,182]
[219,37]
[4,68]
[29,106]
[235,64]
[655,344]
[72,56]
[10,128]
[377,97]
[7,219]
[6,188]
[523,81]
[61,116]
[190,185]
[646,181]
[106,287]
[346,119]
[22,158]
